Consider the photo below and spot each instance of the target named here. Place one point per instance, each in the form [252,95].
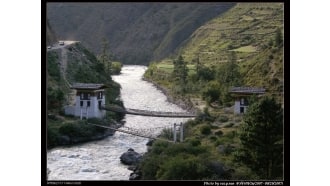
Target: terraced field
[249,30]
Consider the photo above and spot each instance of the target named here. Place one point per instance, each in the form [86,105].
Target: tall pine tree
[261,138]
[180,72]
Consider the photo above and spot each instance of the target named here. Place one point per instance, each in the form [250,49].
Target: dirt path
[64,60]
[64,64]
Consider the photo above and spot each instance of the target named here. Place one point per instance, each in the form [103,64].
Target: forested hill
[137,32]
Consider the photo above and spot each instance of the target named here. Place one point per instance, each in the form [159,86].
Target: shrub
[223,118]
[218,133]
[214,127]
[212,92]
[52,137]
[116,67]
[80,129]
[150,165]
[195,142]
[231,134]
[55,98]
[167,133]
[192,123]
[52,67]
[218,142]
[183,168]
[205,116]
[185,148]
[205,129]
[213,138]
[229,125]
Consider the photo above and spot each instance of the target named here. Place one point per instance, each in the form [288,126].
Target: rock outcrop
[130,157]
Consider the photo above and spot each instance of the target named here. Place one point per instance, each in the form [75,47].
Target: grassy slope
[246,29]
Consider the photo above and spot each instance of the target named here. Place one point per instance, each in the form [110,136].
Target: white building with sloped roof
[89,98]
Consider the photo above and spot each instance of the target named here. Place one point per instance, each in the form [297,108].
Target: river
[100,160]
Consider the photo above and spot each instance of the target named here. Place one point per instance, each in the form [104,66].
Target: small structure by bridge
[115,108]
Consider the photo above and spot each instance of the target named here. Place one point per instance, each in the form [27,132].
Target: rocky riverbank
[184,103]
[67,140]
[79,133]
[132,159]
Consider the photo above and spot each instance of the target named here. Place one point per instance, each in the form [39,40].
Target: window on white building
[242,101]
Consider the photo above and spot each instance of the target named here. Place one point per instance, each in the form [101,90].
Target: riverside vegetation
[242,47]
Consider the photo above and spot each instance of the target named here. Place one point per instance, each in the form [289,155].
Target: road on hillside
[57,45]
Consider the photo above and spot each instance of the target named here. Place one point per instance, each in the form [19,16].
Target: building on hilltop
[89,98]
[241,94]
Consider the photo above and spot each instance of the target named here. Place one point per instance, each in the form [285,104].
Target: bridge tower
[88,100]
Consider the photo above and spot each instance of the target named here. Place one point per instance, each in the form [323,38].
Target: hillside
[249,30]
[252,33]
[73,63]
[68,64]
[144,32]
[241,48]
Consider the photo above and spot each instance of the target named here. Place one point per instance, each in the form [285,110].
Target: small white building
[241,94]
[88,100]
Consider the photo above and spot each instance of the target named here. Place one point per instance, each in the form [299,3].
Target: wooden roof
[247,90]
[89,86]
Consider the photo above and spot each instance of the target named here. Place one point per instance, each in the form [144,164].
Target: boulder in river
[130,157]
[134,176]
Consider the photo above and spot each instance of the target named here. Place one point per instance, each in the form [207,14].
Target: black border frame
[286,180]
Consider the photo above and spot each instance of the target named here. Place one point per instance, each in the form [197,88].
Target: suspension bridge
[145,133]
[115,108]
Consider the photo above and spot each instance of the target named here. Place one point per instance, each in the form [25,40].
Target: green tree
[205,73]
[212,92]
[261,137]
[55,98]
[116,67]
[106,56]
[198,64]
[180,71]
[228,74]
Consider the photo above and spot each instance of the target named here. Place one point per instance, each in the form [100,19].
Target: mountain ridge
[146,32]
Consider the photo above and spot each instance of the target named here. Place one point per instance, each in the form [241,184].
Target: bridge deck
[148,113]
